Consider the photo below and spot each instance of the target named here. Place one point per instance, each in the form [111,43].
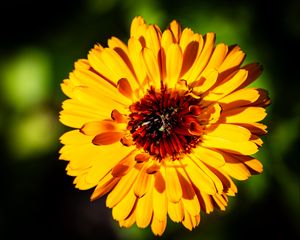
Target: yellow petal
[205,201]
[98,64]
[135,48]
[239,98]
[173,65]
[229,132]
[176,30]
[187,37]
[234,58]
[190,221]
[143,182]
[160,205]
[152,68]
[173,187]
[209,156]
[201,61]
[123,209]
[104,186]
[116,43]
[89,162]
[80,181]
[153,37]
[217,56]
[176,211]
[75,154]
[217,182]
[67,87]
[244,115]
[228,185]
[129,221]
[245,147]
[190,53]
[227,86]
[83,63]
[104,159]
[220,201]
[237,171]
[158,226]
[255,128]
[167,39]
[122,188]
[88,78]
[91,98]
[135,24]
[189,197]
[206,80]
[74,137]
[144,209]
[75,113]
[235,168]
[197,176]
[253,164]
[113,62]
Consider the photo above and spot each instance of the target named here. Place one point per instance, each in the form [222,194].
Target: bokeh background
[40,41]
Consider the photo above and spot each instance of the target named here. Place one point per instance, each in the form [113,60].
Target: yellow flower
[162,124]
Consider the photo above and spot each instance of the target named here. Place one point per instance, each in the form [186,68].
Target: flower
[162,124]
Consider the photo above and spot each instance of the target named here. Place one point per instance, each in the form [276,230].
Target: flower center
[166,123]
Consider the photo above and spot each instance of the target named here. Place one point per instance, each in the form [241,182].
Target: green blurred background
[40,41]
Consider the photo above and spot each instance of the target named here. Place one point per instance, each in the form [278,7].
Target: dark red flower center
[165,123]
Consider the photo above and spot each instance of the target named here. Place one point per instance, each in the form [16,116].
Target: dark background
[40,41]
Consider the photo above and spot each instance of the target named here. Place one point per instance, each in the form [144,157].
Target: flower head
[162,124]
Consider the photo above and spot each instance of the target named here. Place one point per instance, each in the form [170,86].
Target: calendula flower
[162,124]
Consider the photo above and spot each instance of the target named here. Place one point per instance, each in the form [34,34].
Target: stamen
[165,123]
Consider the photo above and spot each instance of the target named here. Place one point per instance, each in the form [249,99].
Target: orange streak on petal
[118,117]
[104,186]
[107,138]
[124,166]
[93,128]
[125,88]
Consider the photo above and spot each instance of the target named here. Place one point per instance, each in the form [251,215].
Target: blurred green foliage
[38,50]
